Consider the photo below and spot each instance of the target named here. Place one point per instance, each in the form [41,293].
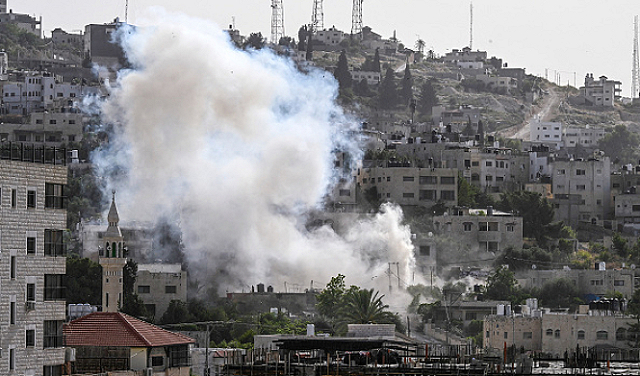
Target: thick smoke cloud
[236,148]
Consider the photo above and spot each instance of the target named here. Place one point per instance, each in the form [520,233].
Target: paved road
[546,113]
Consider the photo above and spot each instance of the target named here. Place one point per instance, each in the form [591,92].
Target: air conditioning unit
[29,305]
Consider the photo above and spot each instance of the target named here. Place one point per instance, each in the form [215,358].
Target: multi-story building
[405,185]
[481,230]
[49,128]
[99,47]
[32,221]
[548,133]
[61,37]
[3,6]
[458,118]
[581,190]
[373,78]
[602,92]
[158,284]
[508,84]
[464,55]
[587,137]
[23,22]
[329,37]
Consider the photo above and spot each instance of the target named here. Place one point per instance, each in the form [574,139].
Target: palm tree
[365,306]
[420,45]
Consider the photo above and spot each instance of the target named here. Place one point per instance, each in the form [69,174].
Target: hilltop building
[22,21]
[32,222]
[602,92]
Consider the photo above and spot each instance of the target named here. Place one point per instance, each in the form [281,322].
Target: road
[546,113]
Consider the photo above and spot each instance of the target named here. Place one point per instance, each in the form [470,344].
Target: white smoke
[237,147]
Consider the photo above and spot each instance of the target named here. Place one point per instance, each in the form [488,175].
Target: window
[345,192]
[157,361]
[52,121]
[510,227]
[425,250]
[475,163]
[467,226]
[31,292]
[506,335]
[580,172]
[447,180]
[428,180]
[31,245]
[602,335]
[53,243]
[447,195]
[561,172]
[556,334]
[527,335]
[52,333]
[31,199]
[30,338]
[144,289]
[54,287]
[468,316]
[549,332]
[407,178]
[13,267]
[12,359]
[12,313]
[596,282]
[54,196]
[408,195]
[489,163]
[427,194]
[581,187]
[14,198]
[170,289]
[580,334]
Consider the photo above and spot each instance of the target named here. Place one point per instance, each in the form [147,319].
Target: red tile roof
[118,329]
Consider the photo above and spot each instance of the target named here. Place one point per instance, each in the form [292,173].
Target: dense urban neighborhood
[328,201]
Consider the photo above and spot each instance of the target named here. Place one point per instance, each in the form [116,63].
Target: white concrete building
[548,133]
[587,137]
[373,78]
[603,92]
[158,284]
[33,263]
[330,37]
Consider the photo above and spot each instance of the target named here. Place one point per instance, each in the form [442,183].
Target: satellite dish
[534,267]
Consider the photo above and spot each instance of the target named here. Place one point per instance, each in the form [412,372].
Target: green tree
[535,210]
[466,192]
[365,306]
[376,61]
[331,298]
[502,285]
[621,145]
[255,41]
[131,303]
[406,91]
[427,98]
[388,93]
[342,73]
[83,281]
[302,37]
[620,245]
[560,292]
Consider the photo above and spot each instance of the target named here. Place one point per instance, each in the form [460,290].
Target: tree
[466,192]
[330,299]
[364,307]
[560,292]
[407,86]
[131,303]
[502,285]
[255,41]
[620,144]
[342,73]
[376,61]
[427,98]
[420,45]
[387,94]
[302,37]
[620,245]
[535,210]
[84,281]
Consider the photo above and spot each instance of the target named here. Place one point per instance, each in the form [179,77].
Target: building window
[54,287]
[31,199]
[14,198]
[549,332]
[556,334]
[157,361]
[425,250]
[449,180]
[31,292]
[488,178]
[407,178]
[12,359]
[561,172]
[447,195]
[53,243]
[428,180]
[13,267]
[467,226]
[144,289]
[510,227]
[344,192]
[52,121]
[30,338]
[580,334]
[602,335]
[170,289]
[407,195]
[527,335]
[581,187]
[12,313]
[54,196]
[52,333]
[506,335]
[468,316]
[427,194]
[580,172]
[618,282]
[31,245]
[489,163]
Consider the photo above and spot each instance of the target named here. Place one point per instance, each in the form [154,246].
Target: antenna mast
[356,18]
[126,11]
[471,25]
[277,21]
[317,17]
[635,72]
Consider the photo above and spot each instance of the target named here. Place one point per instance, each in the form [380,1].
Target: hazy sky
[566,36]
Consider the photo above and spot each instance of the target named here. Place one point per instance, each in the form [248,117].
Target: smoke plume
[237,148]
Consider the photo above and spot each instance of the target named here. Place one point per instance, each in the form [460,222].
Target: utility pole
[126,11]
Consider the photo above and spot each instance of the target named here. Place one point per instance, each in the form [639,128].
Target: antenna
[277,21]
[635,71]
[317,16]
[126,11]
[356,18]
[471,25]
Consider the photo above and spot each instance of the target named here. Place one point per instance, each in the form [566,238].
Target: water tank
[260,287]
[500,310]
[311,330]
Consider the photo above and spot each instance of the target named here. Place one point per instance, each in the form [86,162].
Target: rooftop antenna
[471,25]
[126,11]
[317,16]
[356,18]
[233,22]
[277,21]
[635,72]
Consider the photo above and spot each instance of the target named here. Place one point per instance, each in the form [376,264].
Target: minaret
[112,260]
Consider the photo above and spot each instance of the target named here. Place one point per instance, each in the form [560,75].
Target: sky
[567,37]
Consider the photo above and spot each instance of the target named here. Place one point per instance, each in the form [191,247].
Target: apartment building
[581,190]
[158,284]
[464,55]
[548,133]
[405,185]
[23,21]
[481,230]
[459,118]
[32,258]
[587,137]
[601,92]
